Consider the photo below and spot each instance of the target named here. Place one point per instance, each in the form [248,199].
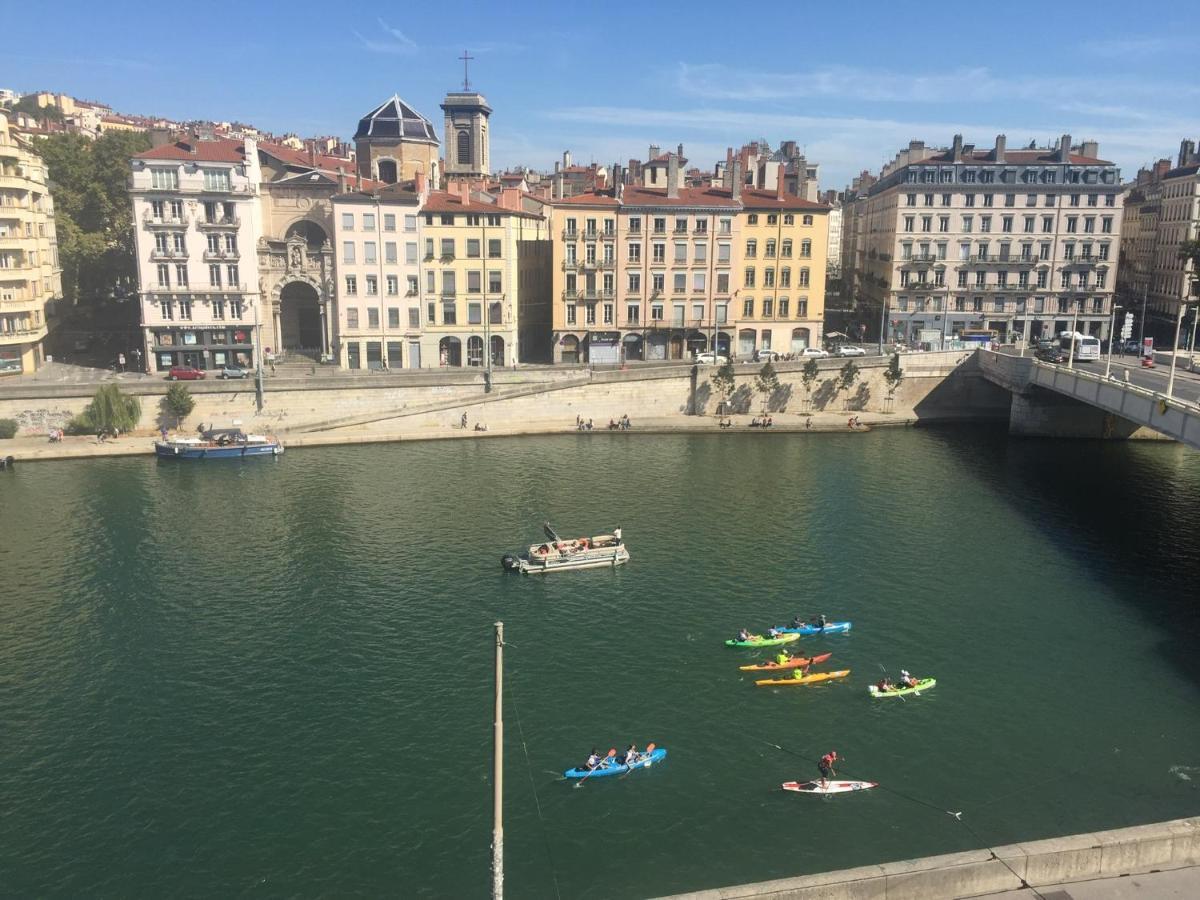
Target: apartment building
[197,224]
[781,297]
[378,244]
[643,272]
[29,269]
[1164,212]
[1021,242]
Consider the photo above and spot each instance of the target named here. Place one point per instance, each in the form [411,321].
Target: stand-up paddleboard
[832,787]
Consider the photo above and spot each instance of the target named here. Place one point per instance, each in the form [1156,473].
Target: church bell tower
[466,135]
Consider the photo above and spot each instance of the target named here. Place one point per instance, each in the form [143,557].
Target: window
[1106,225]
[927,223]
[943,223]
[751,249]
[768,278]
[752,219]
[769,250]
[164,179]
[230,242]
[412,285]
[1104,251]
[723,250]
[807,220]
[970,199]
[348,251]
[231,273]
[351,285]
[181,276]
[393,285]
[218,310]
[1006,224]
[1010,199]
[1072,224]
[635,253]
[372,286]
[166,309]
[748,280]
[590,314]
[372,317]
[1047,224]
[351,317]
[909,223]
[723,283]
[449,288]
[660,225]
[414,317]
[1089,224]
[608,313]
[389,252]
[681,253]
[804,276]
[447,247]
[472,248]
[164,275]
[772,218]
[985,223]
[679,282]
[368,252]
[214,276]
[447,219]
[657,282]
[768,307]
[635,282]
[635,224]
[216,179]
[785,277]
[474,283]
[494,248]
[660,253]
[474,313]
[494,284]
[449,313]
[368,221]
[656,312]
[571,317]
[967,224]
[698,281]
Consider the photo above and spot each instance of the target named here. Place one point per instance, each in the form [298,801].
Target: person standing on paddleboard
[826,767]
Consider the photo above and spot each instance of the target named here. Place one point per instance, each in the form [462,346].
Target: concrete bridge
[1055,401]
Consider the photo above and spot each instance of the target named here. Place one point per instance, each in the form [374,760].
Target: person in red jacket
[826,767]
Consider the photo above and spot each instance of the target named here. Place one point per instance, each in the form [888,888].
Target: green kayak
[757,640]
[923,685]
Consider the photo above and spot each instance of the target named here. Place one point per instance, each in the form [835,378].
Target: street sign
[1127,328]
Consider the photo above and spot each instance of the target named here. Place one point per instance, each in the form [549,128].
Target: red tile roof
[753,198]
[194,150]
[688,196]
[444,202]
[588,198]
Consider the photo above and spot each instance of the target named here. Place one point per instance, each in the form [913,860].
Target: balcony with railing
[591,234]
[570,234]
[608,235]
[149,220]
[168,255]
[570,265]
[222,255]
[219,222]
[999,259]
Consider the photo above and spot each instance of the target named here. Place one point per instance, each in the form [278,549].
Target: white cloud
[394,41]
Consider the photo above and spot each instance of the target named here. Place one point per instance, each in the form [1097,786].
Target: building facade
[394,142]
[30,282]
[468,146]
[1024,243]
[197,225]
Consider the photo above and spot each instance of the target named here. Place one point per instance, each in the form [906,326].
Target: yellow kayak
[807,679]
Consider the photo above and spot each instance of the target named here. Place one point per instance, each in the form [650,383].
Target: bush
[109,411]
[8,429]
[178,402]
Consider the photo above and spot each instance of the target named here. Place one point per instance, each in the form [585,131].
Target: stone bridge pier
[1040,413]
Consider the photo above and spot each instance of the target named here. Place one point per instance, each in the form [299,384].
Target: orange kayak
[796,662]
[807,679]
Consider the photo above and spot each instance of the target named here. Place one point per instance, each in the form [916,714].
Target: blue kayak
[656,755]
[830,628]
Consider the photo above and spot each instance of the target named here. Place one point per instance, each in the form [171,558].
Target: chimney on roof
[736,187]
[672,175]
[1090,148]
[679,150]
[779,181]
[1001,146]
[358,181]
[956,149]
[1187,150]
[618,181]
[510,198]
[653,152]
[566,159]
[1064,148]
[557,166]
[312,153]
[419,185]
[341,180]
[916,151]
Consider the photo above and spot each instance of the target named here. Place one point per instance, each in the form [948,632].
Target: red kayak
[795,662]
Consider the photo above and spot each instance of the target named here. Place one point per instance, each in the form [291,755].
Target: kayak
[757,640]
[656,755]
[795,662]
[830,628]
[807,679]
[923,685]
[831,787]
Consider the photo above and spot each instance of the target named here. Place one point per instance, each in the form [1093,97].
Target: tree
[110,411]
[724,382]
[893,375]
[179,402]
[809,374]
[93,215]
[766,382]
[29,106]
[847,376]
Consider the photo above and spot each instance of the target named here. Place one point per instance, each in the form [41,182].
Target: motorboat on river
[218,443]
[557,555]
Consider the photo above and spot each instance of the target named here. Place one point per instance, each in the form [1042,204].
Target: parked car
[233,372]
[814,353]
[708,358]
[1131,346]
[850,350]
[185,373]
[1050,354]
[766,354]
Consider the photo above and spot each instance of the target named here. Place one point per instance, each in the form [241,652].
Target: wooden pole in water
[498,772]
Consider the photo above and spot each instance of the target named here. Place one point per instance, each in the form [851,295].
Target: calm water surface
[274,678]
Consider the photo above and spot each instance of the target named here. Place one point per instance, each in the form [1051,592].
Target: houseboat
[557,555]
[218,443]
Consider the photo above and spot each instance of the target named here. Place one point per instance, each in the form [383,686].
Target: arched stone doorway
[801,338]
[450,351]
[570,349]
[497,350]
[300,317]
[474,350]
[310,232]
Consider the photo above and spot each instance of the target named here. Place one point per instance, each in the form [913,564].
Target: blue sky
[851,82]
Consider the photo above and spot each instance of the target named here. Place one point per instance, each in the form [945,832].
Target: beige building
[29,268]
[394,143]
[954,241]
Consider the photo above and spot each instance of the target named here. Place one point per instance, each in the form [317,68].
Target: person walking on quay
[120,362]
[463,422]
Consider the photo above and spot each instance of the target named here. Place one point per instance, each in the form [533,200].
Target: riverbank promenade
[34,448]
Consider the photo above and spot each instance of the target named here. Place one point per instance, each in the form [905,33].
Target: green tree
[29,106]
[110,411]
[893,375]
[93,213]
[179,402]
[766,382]
[8,428]
[724,382]
[809,374]
[847,376]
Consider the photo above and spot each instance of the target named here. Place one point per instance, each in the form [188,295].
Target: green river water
[273,678]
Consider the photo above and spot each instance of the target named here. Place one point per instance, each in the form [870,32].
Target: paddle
[649,749]
[611,753]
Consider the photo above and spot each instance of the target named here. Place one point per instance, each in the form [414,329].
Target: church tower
[394,142]
[466,136]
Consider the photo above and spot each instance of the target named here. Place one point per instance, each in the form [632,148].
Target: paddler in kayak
[820,622]
[885,685]
[782,658]
[594,761]
[907,680]
[742,635]
[825,766]
[773,632]
[801,671]
[631,755]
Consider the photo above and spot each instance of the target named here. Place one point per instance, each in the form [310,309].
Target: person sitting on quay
[755,423]
[768,422]
[589,424]
[612,425]
[479,426]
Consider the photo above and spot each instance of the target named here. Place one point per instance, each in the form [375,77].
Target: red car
[184,373]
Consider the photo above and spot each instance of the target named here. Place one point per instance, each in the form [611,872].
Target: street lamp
[1074,322]
[1112,324]
[1175,348]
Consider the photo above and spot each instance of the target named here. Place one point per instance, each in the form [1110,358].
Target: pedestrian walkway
[1177,884]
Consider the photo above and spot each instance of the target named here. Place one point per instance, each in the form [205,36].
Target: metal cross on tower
[466,72]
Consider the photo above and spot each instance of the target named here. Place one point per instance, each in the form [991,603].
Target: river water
[274,678]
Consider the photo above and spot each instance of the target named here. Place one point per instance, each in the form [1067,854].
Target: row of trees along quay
[113,412]
[766,382]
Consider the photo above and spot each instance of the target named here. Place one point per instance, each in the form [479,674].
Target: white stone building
[197,223]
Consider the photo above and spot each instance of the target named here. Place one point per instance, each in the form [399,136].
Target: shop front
[202,347]
[604,347]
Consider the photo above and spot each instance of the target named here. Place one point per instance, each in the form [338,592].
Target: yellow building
[484,279]
[29,270]
[781,298]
